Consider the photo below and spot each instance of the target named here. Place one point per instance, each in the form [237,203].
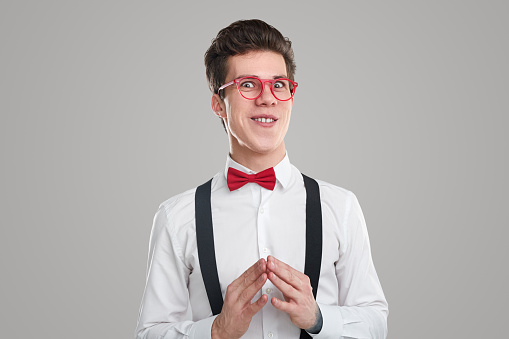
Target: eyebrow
[256,76]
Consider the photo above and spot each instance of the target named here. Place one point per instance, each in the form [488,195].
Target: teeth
[264,120]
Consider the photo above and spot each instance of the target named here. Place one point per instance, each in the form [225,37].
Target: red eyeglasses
[251,88]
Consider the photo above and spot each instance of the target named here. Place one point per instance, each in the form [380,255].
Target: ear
[217,105]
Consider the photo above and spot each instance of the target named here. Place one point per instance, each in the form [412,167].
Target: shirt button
[261,210]
[268,290]
[265,250]
[270,334]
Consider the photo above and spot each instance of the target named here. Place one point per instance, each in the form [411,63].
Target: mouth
[264,119]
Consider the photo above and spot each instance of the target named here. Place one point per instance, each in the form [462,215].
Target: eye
[279,84]
[247,84]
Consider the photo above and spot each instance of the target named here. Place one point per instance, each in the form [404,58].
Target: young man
[289,256]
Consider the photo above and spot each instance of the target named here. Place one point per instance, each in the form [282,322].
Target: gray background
[104,104]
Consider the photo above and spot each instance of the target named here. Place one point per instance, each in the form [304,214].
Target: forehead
[264,64]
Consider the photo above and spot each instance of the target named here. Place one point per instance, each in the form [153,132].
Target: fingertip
[271,264]
[257,305]
[262,301]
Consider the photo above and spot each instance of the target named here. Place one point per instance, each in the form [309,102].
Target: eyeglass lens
[252,87]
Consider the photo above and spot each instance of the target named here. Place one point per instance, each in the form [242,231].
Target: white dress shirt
[251,223]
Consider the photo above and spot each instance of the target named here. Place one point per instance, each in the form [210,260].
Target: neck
[258,161]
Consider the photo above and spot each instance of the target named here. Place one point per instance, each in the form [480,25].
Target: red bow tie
[236,179]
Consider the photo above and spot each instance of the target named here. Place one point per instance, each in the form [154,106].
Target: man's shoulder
[181,202]
[331,190]
[336,201]
[178,201]
[329,193]
[333,195]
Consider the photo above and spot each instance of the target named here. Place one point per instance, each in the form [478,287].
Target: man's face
[247,134]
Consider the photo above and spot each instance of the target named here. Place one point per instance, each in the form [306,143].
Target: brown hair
[241,37]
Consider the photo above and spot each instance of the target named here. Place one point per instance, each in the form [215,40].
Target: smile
[267,120]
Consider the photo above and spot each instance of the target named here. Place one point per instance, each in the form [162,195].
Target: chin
[266,148]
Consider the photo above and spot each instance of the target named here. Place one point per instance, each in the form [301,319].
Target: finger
[254,276]
[250,291]
[289,292]
[278,264]
[282,305]
[287,273]
[247,275]
[252,309]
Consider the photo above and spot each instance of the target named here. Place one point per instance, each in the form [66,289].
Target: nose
[267,98]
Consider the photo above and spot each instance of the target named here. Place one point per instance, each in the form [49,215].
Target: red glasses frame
[263,81]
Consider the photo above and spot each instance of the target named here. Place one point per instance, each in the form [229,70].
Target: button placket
[265,248]
[262,223]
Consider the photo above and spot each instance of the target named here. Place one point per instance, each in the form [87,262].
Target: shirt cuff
[332,322]
[201,328]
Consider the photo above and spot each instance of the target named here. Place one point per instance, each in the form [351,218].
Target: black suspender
[313,232]
[205,242]
[207,254]
[313,236]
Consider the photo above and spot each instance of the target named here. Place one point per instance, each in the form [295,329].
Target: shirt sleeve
[363,309]
[165,311]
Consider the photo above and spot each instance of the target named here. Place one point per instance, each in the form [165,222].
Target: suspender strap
[313,232]
[205,243]
[313,237]
[207,255]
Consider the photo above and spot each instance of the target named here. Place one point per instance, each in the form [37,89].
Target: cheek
[288,114]
[235,123]
[233,119]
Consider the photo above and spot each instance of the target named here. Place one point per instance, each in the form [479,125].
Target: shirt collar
[283,169]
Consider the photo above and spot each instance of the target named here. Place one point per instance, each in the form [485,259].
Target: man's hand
[296,288]
[237,311]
